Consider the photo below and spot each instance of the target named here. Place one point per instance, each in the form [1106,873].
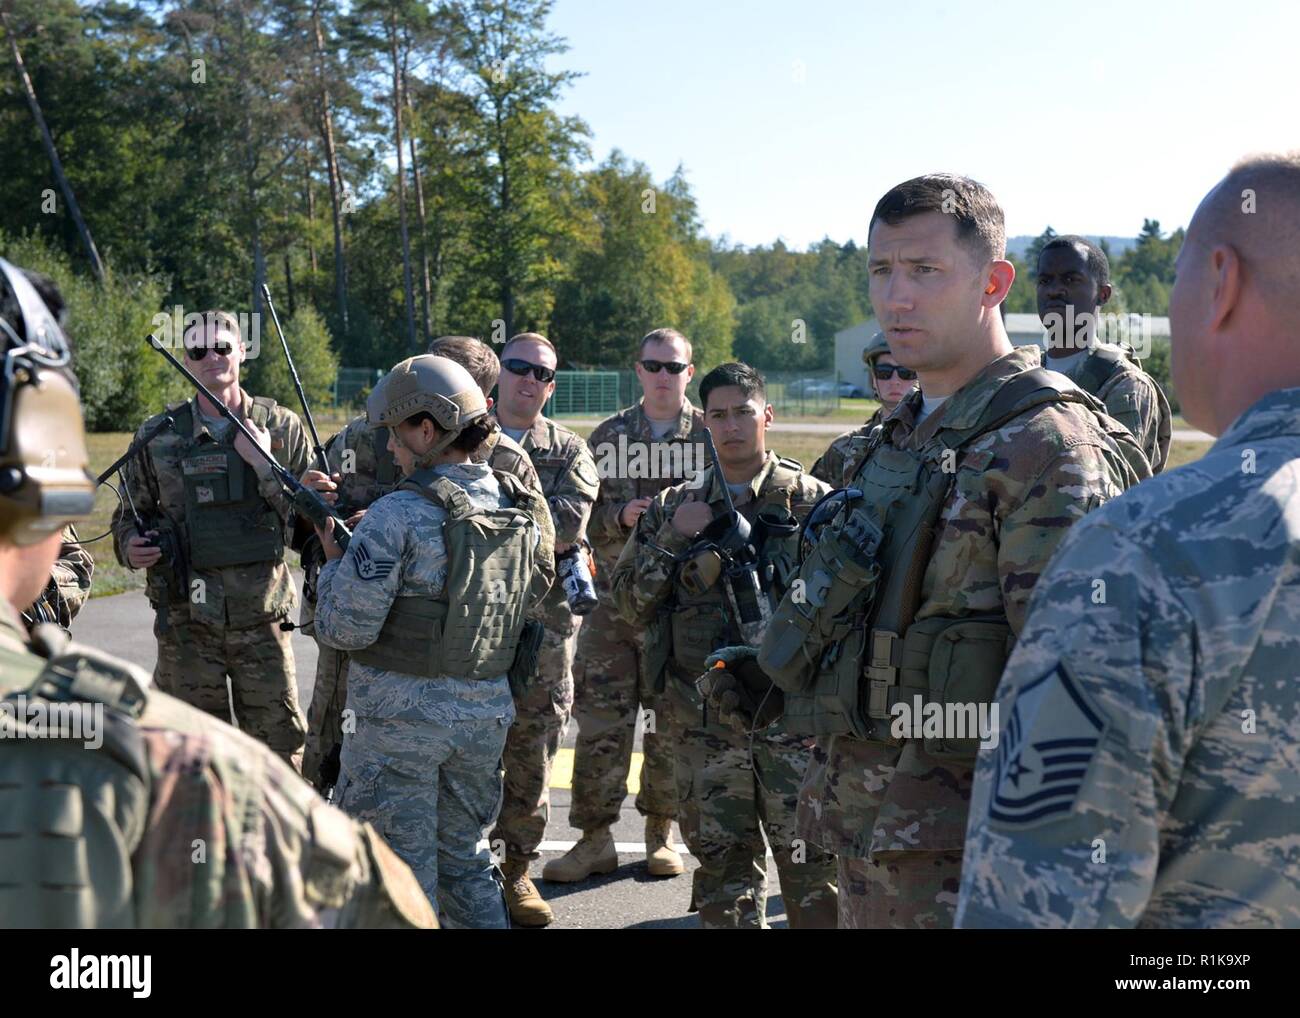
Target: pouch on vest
[229,523]
[956,664]
[75,803]
[523,669]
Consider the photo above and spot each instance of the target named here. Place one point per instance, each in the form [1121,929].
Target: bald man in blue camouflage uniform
[1148,771]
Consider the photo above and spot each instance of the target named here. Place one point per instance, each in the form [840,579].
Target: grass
[111,578]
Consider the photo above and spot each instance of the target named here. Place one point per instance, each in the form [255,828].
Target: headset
[45,481]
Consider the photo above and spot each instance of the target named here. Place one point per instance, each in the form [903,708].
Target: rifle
[317,448]
[306,501]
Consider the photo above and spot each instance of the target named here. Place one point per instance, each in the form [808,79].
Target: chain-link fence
[600,393]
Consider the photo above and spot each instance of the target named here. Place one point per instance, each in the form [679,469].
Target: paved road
[627,898]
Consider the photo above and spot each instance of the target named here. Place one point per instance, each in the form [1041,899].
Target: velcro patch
[369,567]
[1045,751]
[212,463]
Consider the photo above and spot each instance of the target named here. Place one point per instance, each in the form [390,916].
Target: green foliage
[1157,366]
[122,382]
[317,364]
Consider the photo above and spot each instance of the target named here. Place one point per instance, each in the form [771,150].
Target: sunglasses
[672,367]
[520,367]
[197,353]
[886,371]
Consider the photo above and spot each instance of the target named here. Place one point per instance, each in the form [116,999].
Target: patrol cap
[874,349]
[428,384]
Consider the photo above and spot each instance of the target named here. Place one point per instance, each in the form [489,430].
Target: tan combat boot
[593,854]
[661,858]
[526,906]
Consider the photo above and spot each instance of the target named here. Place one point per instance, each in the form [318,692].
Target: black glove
[739,691]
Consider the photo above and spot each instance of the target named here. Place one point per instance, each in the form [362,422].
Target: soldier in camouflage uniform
[363,470]
[1074,280]
[891,382]
[69,586]
[912,593]
[430,642]
[569,479]
[638,452]
[231,523]
[732,787]
[173,819]
[1160,646]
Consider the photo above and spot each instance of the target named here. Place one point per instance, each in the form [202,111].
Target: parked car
[850,391]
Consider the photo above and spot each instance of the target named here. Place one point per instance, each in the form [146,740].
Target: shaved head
[1256,209]
[1233,313]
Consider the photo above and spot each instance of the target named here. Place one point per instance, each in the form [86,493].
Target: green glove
[739,691]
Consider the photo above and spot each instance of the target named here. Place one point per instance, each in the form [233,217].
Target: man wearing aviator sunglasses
[891,382]
[608,664]
[227,517]
[571,483]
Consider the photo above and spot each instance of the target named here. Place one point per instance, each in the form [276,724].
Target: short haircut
[742,376]
[536,337]
[473,355]
[219,318]
[1098,263]
[980,223]
[1256,209]
[666,336]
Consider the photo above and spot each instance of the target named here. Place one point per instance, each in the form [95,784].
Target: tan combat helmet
[427,384]
[874,349]
[45,482]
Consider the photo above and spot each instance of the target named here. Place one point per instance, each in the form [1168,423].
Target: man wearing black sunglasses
[227,519]
[607,669]
[569,479]
[891,382]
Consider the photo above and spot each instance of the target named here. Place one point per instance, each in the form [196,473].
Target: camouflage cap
[874,349]
[427,384]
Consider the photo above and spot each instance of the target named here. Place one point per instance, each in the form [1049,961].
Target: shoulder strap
[1023,392]
[783,482]
[1099,368]
[443,493]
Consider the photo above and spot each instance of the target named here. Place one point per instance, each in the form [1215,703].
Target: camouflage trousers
[194,660]
[727,786]
[431,790]
[606,696]
[325,712]
[541,716]
[899,891]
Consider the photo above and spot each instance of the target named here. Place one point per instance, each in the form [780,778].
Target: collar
[755,487]
[1274,414]
[201,423]
[964,407]
[683,429]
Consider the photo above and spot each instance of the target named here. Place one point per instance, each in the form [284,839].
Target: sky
[792,119]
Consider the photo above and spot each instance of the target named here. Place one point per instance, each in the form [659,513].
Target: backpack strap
[262,408]
[1101,365]
[442,492]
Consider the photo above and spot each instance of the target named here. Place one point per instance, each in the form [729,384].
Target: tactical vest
[848,649]
[472,628]
[71,813]
[1105,363]
[692,628]
[228,522]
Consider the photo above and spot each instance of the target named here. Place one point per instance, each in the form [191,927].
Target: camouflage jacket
[1134,399]
[646,575]
[569,480]
[632,463]
[69,586]
[1016,493]
[235,596]
[1161,647]
[832,463]
[214,831]
[399,550]
[368,472]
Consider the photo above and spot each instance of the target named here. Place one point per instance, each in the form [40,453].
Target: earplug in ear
[991,288]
